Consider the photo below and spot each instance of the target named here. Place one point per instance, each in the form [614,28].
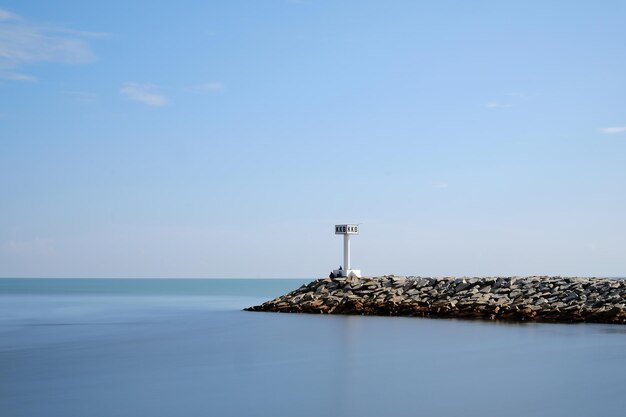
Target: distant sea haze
[163,347]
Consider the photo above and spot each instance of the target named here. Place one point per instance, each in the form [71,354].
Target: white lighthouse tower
[346,230]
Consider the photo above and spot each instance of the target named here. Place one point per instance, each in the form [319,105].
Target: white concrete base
[347,273]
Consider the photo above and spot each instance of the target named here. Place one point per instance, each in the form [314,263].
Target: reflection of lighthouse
[346,271]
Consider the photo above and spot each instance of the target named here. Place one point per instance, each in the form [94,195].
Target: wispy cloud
[34,246]
[210,87]
[144,93]
[511,99]
[6,15]
[16,76]
[498,105]
[439,185]
[23,42]
[613,130]
[81,96]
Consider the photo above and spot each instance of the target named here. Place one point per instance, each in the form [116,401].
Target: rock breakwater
[537,298]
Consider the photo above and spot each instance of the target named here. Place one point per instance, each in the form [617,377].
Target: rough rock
[550,299]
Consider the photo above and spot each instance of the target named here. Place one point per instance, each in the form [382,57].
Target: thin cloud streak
[16,76]
[613,130]
[81,96]
[35,246]
[6,15]
[498,105]
[23,42]
[144,93]
[439,185]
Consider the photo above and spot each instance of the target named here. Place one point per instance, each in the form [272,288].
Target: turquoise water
[184,348]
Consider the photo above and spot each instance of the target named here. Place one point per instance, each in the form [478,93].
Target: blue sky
[225,139]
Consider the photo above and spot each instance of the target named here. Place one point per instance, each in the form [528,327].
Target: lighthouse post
[346,230]
[346,251]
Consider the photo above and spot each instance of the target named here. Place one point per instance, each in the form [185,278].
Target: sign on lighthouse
[346,271]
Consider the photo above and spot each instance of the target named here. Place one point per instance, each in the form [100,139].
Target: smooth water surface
[184,348]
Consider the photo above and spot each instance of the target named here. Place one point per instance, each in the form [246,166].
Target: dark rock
[500,298]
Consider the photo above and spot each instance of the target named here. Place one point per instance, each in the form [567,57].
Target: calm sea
[173,347]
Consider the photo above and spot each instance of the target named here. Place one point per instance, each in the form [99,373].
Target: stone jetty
[536,298]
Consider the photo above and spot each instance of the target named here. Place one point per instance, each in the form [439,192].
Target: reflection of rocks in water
[534,298]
